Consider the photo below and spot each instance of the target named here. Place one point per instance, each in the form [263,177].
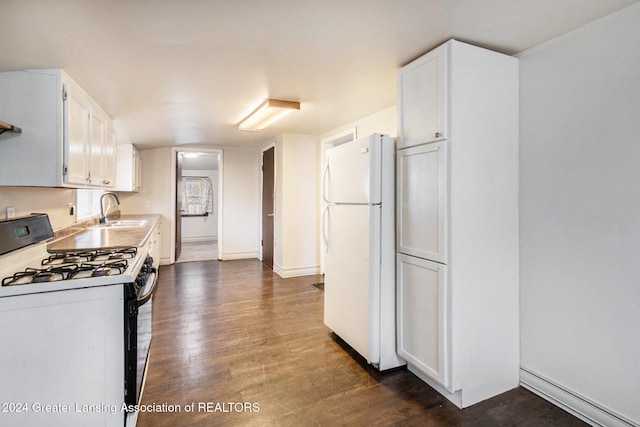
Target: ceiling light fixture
[268,113]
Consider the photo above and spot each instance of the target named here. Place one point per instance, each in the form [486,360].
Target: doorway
[198,205]
[268,212]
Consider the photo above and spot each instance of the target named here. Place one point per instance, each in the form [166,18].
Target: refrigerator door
[353,172]
[352,277]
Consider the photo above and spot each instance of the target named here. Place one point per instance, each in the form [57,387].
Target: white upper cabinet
[109,157]
[77,131]
[102,154]
[67,140]
[128,168]
[422,99]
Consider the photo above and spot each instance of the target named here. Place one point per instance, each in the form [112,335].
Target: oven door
[137,337]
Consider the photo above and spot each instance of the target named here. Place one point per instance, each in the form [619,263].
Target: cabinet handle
[106,182]
[438,134]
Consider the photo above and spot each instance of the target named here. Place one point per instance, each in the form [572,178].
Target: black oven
[137,330]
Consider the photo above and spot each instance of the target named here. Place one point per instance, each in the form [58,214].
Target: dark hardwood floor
[248,348]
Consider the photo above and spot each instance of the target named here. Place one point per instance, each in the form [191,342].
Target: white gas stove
[31,269]
[76,328]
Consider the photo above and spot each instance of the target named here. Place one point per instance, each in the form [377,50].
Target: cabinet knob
[106,182]
[438,134]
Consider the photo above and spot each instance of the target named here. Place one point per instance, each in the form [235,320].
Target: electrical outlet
[11,212]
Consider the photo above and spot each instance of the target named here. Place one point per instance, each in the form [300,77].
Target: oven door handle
[146,297]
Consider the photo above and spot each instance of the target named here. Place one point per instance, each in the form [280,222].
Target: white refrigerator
[359,234]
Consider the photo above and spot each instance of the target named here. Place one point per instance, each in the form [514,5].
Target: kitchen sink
[124,223]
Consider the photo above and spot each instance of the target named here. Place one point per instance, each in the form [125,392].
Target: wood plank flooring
[199,251]
[233,333]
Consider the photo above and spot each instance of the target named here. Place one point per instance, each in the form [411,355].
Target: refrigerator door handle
[325,173]
[325,211]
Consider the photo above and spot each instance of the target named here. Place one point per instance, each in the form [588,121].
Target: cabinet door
[422,316]
[422,99]
[96,150]
[421,201]
[137,170]
[76,136]
[109,158]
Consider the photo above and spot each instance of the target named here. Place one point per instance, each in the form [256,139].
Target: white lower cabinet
[154,246]
[423,332]
[62,358]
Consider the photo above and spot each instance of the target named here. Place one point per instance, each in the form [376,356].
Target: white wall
[240,203]
[52,201]
[155,195]
[385,121]
[202,228]
[296,225]
[580,212]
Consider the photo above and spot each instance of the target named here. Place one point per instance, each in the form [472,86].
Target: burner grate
[35,275]
[78,257]
[75,265]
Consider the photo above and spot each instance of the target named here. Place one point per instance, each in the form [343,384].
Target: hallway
[235,336]
[199,251]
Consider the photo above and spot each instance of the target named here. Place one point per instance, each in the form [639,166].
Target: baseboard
[199,239]
[587,410]
[455,398]
[295,271]
[229,256]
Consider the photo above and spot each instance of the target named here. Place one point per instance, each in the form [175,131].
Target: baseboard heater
[587,410]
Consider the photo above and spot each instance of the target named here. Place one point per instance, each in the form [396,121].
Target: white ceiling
[177,73]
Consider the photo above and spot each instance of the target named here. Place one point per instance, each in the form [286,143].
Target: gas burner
[60,258]
[79,257]
[46,276]
[34,275]
[103,270]
[99,269]
[115,254]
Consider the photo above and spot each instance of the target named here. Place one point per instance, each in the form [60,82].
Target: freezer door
[352,277]
[353,172]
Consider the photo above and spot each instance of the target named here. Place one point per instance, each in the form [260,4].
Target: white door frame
[174,152]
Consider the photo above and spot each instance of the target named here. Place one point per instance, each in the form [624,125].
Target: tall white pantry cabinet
[457,221]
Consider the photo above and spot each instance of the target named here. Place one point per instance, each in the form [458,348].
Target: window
[197,196]
[87,203]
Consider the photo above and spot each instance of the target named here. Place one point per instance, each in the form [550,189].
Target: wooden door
[178,242]
[268,212]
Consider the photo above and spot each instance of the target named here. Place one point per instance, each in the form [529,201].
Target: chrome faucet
[103,213]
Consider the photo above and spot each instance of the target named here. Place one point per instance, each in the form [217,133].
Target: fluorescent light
[268,113]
